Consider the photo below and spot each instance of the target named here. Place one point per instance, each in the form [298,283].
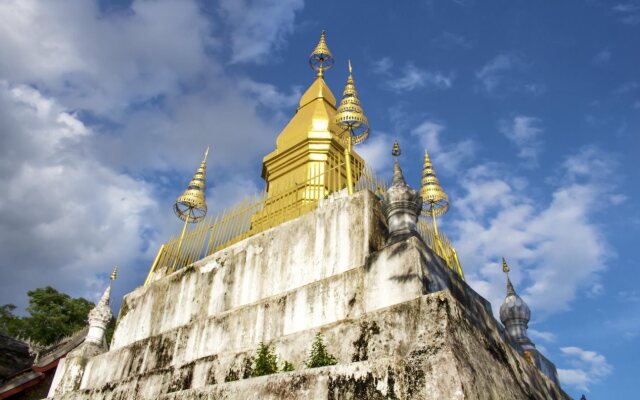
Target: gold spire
[349,115]
[395,151]
[505,267]
[191,205]
[321,58]
[435,200]
[114,273]
[351,118]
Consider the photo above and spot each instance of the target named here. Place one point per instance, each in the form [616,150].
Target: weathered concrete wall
[192,335]
[431,347]
[329,241]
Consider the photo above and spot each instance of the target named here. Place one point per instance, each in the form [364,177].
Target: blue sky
[530,110]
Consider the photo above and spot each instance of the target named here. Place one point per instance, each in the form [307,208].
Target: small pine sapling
[287,367]
[265,362]
[319,356]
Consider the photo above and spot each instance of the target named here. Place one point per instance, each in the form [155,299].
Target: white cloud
[629,13]
[448,157]
[544,336]
[602,57]
[148,94]
[524,132]
[382,66]
[448,40]
[413,78]
[63,216]
[555,248]
[258,27]
[590,367]
[505,74]
[268,95]
[104,63]
[376,151]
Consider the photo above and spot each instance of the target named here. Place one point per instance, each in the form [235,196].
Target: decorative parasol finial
[114,274]
[191,205]
[505,267]
[395,151]
[321,58]
[436,201]
[351,118]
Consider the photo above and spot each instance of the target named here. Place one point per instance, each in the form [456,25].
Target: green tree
[319,356]
[287,367]
[265,362]
[10,324]
[52,316]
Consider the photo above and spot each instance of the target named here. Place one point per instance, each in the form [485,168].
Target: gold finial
[349,115]
[505,267]
[436,201]
[321,58]
[351,118]
[395,151]
[206,154]
[350,69]
[191,205]
[114,273]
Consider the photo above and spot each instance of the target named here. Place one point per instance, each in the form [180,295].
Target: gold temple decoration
[308,147]
[395,151]
[505,267]
[321,58]
[191,205]
[239,222]
[436,203]
[354,124]
[114,274]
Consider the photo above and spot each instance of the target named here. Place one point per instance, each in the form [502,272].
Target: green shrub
[265,362]
[319,357]
[287,367]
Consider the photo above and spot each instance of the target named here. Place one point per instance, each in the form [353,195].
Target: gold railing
[440,244]
[258,213]
[261,212]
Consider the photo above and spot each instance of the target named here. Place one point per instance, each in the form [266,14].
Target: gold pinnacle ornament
[395,151]
[505,267]
[321,58]
[435,201]
[114,274]
[351,118]
[191,205]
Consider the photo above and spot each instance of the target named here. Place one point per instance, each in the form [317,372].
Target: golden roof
[435,200]
[191,204]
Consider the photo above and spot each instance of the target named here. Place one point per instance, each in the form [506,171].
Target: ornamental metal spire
[321,58]
[505,269]
[191,205]
[435,200]
[515,314]
[351,118]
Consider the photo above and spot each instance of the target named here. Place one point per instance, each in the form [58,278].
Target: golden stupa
[309,151]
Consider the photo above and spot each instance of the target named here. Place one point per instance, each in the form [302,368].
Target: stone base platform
[431,347]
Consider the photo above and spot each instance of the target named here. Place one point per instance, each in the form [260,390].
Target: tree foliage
[265,362]
[52,316]
[319,356]
[287,367]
